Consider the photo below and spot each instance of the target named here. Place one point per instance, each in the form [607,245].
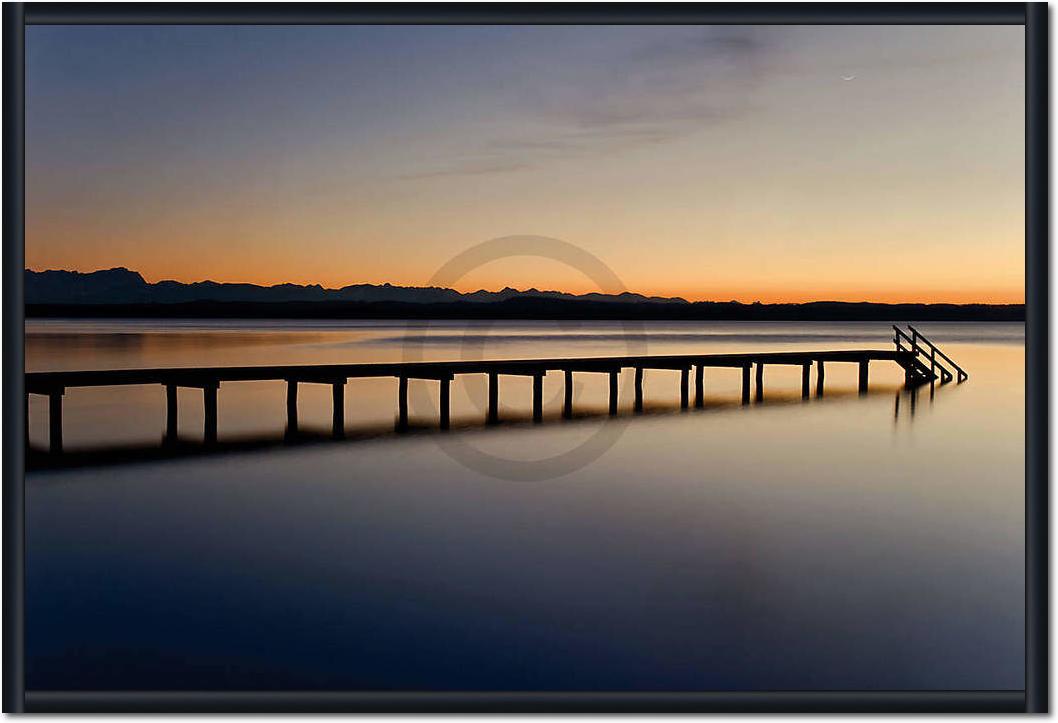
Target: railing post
[613,393]
[745,384]
[638,403]
[760,382]
[863,375]
[806,374]
[685,375]
[819,377]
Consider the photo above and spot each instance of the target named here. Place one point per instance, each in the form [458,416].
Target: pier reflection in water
[776,546]
[513,419]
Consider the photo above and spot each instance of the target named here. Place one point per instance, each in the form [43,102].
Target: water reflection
[165,447]
[794,545]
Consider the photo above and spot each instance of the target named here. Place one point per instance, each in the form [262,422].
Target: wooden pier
[912,353]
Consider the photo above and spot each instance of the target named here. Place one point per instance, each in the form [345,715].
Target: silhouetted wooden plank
[55,421]
[338,409]
[209,415]
[760,382]
[44,382]
[445,404]
[402,403]
[292,406]
[863,376]
[820,372]
[567,400]
[538,398]
[699,391]
[613,393]
[171,408]
[685,396]
[494,398]
[745,384]
[638,401]
[806,374]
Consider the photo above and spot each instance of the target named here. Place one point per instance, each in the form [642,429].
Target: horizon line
[648,296]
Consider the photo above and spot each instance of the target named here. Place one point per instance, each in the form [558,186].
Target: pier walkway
[917,356]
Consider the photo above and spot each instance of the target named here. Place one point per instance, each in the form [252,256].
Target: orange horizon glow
[765,296]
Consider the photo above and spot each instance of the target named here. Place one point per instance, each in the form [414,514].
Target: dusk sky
[782,163]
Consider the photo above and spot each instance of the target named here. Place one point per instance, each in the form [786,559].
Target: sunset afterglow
[791,163]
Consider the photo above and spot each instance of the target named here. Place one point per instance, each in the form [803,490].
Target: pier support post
[445,402]
[760,382]
[494,398]
[613,393]
[402,403]
[55,420]
[806,374]
[819,377]
[292,407]
[338,409]
[699,391]
[538,398]
[745,384]
[567,400]
[863,376]
[209,409]
[685,397]
[638,403]
[170,413]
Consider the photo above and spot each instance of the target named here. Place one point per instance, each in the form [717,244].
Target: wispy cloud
[468,169]
[651,93]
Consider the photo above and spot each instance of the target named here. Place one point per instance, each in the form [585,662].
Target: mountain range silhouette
[122,286]
[122,293]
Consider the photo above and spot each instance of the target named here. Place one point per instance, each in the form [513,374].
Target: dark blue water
[840,543]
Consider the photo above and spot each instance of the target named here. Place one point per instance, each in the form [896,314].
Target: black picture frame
[1035,697]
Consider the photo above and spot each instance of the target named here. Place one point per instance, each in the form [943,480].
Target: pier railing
[929,352]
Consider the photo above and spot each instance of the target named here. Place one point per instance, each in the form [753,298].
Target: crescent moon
[848,77]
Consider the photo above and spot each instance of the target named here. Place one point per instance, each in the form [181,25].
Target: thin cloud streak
[649,95]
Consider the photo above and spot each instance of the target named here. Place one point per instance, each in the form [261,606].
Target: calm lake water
[843,542]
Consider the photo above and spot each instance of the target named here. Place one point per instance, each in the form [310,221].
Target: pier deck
[208,379]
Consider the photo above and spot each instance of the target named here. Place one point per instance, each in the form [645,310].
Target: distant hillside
[120,293]
[121,286]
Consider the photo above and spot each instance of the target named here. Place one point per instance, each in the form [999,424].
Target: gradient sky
[720,162]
